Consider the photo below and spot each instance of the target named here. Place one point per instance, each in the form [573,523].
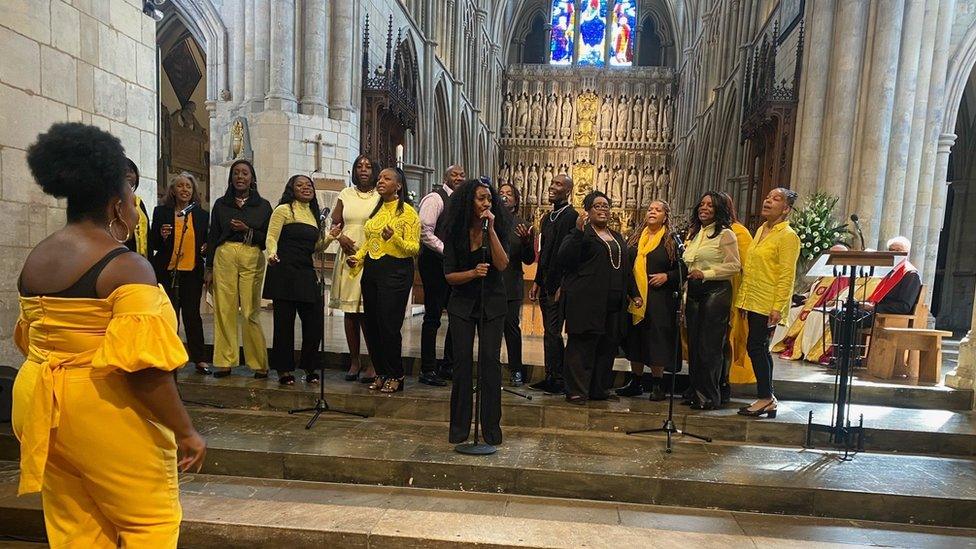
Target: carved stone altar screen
[610,130]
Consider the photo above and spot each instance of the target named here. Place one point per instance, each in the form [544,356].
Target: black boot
[632,388]
[657,390]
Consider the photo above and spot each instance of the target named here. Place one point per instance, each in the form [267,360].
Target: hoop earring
[111,230]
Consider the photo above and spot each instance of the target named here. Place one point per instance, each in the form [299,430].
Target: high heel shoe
[354,377]
[768,410]
[392,385]
[377,384]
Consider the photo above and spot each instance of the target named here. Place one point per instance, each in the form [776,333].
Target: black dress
[652,341]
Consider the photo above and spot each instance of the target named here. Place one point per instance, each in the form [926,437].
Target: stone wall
[91,61]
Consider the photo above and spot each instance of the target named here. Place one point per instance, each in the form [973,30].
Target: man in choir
[521,251]
[554,228]
[436,290]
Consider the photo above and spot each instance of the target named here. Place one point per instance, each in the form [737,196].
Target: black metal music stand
[321,405]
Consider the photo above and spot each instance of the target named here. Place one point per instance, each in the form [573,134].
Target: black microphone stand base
[320,407]
[475,449]
[670,429]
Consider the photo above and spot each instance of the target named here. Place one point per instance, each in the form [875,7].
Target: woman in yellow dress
[737,368]
[139,241]
[95,407]
[351,211]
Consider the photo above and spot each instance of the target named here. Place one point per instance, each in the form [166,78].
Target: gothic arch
[467,160]
[206,26]
[442,148]
[957,76]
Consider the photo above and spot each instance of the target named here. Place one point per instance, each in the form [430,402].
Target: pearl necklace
[616,266]
[369,194]
[554,215]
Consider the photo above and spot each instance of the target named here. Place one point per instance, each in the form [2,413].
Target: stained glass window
[623,22]
[593,33]
[563,32]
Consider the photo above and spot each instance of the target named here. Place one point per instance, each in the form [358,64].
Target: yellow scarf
[647,244]
[142,231]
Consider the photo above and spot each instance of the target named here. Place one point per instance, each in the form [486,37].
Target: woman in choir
[101,427]
[178,244]
[651,337]
[235,268]
[767,287]
[736,367]
[392,239]
[352,209]
[139,241]
[597,288]
[475,258]
[712,258]
[294,236]
[521,251]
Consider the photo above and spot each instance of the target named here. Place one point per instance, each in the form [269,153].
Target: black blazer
[465,298]
[518,254]
[901,299]
[587,281]
[161,251]
[549,274]
[256,214]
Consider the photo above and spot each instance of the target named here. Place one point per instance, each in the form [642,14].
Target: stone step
[222,511]
[938,432]
[589,465]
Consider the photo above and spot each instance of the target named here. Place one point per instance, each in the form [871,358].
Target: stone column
[846,59]
[281,95]
[940,188]
[262,42]
[965,375]
[806,165]
[341,65]
[871,156]
[248,50]
[901,124]
[315,55]
[237,53]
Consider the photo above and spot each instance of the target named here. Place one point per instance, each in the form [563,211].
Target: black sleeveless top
[293,277]
[84,287]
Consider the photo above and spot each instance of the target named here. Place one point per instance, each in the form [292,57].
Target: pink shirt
[431,207]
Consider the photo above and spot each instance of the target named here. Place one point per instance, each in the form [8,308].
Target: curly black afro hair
[81,163]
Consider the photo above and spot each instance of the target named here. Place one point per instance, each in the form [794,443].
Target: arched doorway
[184,124]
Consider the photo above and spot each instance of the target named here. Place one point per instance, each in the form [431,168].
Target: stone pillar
[262,41]
[237,53]
[341,64]
[314,60]
[248,50]
[806,164]
[843,89]
[940,188]
[281,94]
[901,124]
[965,375]
[871,156]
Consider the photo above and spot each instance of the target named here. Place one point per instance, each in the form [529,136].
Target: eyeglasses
[605,207]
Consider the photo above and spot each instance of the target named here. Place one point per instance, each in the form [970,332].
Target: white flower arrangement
[814,223]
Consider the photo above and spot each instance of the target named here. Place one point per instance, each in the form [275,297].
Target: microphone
[325,214]
[857,226]
[189,208]
[484,224]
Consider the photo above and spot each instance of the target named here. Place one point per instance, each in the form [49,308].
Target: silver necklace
[554,215]
[616,266]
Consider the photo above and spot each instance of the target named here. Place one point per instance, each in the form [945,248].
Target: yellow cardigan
[769,271]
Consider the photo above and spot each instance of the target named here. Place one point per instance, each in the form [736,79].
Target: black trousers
[513,335]
[187,304]
[757,345]
[489,378]
[436,294]
[386,284]
[589,365]
[312,316]
[707,312]
[552,339]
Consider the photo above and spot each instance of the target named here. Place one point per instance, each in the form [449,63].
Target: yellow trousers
[111,478]
[238,275]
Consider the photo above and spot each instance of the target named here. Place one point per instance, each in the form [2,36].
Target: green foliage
[816,226]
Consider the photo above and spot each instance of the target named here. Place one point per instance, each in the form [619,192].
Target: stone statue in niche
[504,174]
[661,184]
[606,119]
[647,186]
[534,180]
[518,179]
[636,132]
[552,115]
[650,128]
[507,116]
[535,116]
[602,179]
[521,115]
[666,119]
[547,176]
[240,141]
[617,194]
[623,112]
[633,185]
[566,125]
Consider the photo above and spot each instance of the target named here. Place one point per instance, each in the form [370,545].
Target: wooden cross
[319,143]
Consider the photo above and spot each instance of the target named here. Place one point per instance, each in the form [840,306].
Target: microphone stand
[174,285]
[668,427]
[321,405]
[475,448]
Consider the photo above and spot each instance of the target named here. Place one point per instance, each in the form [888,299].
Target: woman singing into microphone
[177,244]
[478,303]
[293,237]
